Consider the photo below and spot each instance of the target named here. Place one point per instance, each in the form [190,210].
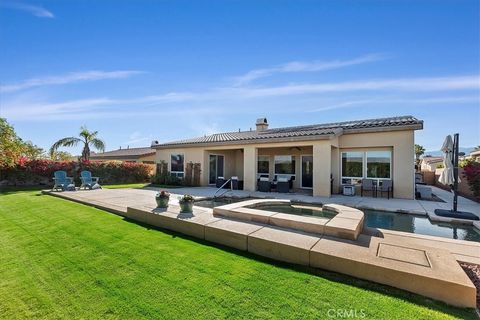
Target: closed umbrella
[447,177]
[450,178]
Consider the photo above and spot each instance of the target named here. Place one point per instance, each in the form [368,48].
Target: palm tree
[87,138]
[419,150]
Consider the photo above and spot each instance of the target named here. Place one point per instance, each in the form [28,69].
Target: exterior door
[216,165]
[307,171]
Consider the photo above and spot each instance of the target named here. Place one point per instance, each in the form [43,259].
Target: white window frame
[301,170]
[284,174]
[269,162]
[366,163]
[178,174]
[357,180]
[216,164]
[351,178]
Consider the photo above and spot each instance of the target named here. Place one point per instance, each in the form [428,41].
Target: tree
[87,138]
[32,151]
[61,156]
[12,147]
[419,150]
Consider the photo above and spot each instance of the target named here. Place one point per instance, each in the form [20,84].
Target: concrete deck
[420,264]
[420,207]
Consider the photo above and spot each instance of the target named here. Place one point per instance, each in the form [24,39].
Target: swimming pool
[420,225]
[298,209]
[373,219]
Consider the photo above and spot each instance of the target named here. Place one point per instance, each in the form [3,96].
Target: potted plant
[162,198]
[186,203]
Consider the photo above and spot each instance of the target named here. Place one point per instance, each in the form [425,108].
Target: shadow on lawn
[12,190]
[330,276]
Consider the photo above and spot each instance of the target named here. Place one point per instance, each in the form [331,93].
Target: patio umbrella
[447,176]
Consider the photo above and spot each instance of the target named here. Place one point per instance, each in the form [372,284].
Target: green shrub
[167,179]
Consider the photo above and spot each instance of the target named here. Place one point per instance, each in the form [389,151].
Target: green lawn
[60,259]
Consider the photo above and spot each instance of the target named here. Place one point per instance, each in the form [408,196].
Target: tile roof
[127,153]
[301,132]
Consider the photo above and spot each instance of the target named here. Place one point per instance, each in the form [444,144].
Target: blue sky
[138,71]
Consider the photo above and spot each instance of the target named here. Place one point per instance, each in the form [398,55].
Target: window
[285,165]
[263,164]
[176,165]
[352,164]
[379,164]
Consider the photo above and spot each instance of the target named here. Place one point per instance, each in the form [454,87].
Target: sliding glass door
[216,162]
[307,171]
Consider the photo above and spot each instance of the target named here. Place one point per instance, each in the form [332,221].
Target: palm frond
[98,144]
[84,133]
[65,142]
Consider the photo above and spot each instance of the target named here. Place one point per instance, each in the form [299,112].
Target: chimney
[262,124]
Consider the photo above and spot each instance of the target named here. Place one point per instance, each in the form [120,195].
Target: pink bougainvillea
[472,173]
[31,172]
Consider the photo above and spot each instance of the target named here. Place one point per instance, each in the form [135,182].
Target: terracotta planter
[186,206]
[162,202]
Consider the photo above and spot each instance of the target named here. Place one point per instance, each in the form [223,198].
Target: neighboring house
[311,155]
[475,155]
[431,163]
[139,155]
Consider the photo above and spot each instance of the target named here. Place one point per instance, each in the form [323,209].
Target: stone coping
[347,223]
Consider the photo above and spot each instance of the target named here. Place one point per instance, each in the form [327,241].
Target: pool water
[420,225]
[303,210]
[373,219]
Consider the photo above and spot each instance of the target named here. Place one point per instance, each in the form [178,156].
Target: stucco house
[475,155]
[319,157]
[431,163]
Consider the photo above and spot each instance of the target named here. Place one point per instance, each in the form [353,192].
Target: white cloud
[33,10]
[386,101]
[175,103]
[72,77]
[138,139]
[299,66]
[402,84]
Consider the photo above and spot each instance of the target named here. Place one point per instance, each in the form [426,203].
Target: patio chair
[88,181]
[219,182]
[368,185]
[62,182]
[386,186]
[264,185]
[283,185]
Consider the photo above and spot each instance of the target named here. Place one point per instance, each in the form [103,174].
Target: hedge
[40,172]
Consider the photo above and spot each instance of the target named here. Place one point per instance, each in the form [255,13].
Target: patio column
[250,168]
[321,168]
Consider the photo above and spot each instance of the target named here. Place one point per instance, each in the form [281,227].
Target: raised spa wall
[346,224]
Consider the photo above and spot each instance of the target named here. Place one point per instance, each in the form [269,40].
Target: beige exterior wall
[241,160]
[402,145]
